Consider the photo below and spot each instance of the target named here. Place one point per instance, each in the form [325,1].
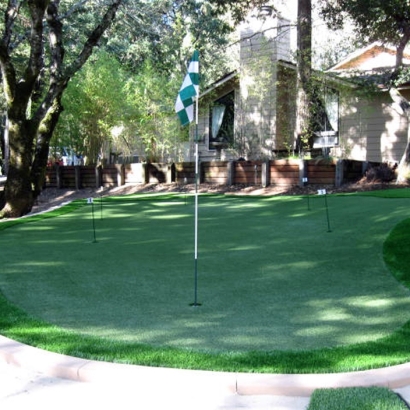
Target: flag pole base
[195,304]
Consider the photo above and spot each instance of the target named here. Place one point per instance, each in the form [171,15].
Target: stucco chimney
[265,40]
[265,34]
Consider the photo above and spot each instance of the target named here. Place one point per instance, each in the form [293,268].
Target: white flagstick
[184,106]
[196,202]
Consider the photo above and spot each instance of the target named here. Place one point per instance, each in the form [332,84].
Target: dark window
[221,122]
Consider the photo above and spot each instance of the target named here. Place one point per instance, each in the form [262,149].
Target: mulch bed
[52,197]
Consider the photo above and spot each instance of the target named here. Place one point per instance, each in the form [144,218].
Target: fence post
[303,172]
[120,174]
[339,177]
[265,175]
[168,174]
[145,172]
[77,174]
[98,176]
[59,179]
[201,174]
[231,173]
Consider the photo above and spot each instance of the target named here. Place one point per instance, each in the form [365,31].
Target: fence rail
[278,172]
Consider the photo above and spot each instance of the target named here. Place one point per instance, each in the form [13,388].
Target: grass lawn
[278,292]
[353,398]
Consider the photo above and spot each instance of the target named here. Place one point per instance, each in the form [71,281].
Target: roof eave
[219,83]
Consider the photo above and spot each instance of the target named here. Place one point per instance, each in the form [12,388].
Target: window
[327,119]
[221,122]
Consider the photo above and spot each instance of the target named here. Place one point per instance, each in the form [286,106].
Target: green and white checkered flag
[184,105]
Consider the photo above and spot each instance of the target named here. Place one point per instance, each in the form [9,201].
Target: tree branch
[11,13]
[7,68]
[55,40]
[58,78]
[73,9]
[400,104]
[35,64]
[93,39]
[56,59]
[401,46]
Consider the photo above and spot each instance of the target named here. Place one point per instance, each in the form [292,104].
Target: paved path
[23,389]
[30,376]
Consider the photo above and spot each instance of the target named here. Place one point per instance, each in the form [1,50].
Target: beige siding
[371,129]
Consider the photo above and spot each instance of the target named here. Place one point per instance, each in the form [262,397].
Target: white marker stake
[323,192]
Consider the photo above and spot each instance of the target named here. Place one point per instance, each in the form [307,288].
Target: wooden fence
[286,172]
[320,172]
[252,173]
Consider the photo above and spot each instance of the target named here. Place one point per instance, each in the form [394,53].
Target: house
[372,127]
[250,113]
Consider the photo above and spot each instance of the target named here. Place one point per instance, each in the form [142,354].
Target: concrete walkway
[29,375]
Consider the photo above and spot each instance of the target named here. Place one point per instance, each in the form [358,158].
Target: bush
[381,173]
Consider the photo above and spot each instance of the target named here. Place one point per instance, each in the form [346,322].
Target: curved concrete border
[61,366]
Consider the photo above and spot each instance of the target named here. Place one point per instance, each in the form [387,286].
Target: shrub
[381,173]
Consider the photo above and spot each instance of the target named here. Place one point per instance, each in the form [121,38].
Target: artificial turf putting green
[354,398]
[271,276]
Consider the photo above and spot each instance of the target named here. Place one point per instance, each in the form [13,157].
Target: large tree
[304,100]
[95,109]
[147,48]
[387,21]
[44,43]
[35,73]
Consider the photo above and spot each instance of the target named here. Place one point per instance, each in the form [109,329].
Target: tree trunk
[403,170]
[41,150]
[303,132]
[402,106]
[27,166]
[30,132]
[18,193]
[4,145]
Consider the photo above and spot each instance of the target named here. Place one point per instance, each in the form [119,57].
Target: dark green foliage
[381,173]
[396,252]
[376,20]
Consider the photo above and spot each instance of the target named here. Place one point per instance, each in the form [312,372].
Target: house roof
[234,75]
[373,64]
[218,83]
[373,57]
